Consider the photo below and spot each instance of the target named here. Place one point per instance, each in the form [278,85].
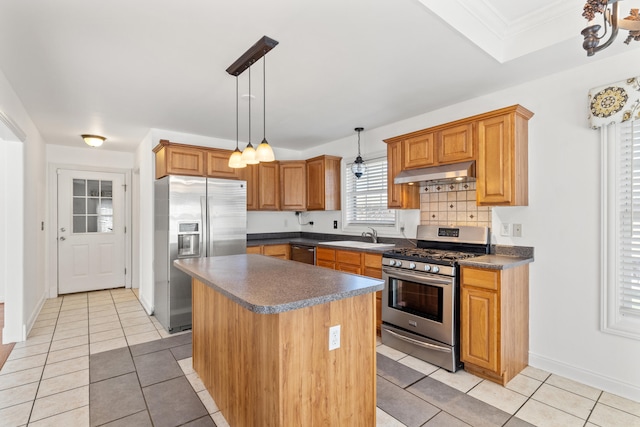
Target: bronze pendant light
[358,167]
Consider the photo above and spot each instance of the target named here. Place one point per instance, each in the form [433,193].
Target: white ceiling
[118,68]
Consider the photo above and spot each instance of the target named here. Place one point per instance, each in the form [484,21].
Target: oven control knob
[398,263]
[412,265]
[392,262]
[435,269]
[427,267]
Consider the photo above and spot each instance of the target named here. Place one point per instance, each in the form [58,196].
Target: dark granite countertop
[268,285]
[495,262]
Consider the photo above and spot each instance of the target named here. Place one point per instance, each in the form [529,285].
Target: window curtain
[614,103]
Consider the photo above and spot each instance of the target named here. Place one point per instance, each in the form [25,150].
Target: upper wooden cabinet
[268,186]
[250,174]
[323,183]
[418,151]
[181,159]
[292,185]
[218,164]
[399,196]
[178,159]
[455,144]
[503,160]
[496,140]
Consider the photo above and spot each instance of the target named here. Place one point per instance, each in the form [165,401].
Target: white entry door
[91,231]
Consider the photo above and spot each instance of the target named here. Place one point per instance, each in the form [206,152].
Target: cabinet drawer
[348,257]
[481,278]
[280,251]
[325,254]
[254,250]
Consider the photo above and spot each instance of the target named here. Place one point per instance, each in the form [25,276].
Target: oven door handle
[417,277]
[419,343]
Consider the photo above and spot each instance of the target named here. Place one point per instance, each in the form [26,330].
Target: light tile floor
[45,381]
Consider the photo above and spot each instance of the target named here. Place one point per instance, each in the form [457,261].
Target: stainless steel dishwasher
[303,253]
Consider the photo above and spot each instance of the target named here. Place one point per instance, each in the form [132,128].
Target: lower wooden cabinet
[494,322]
[277,251]
[363,263]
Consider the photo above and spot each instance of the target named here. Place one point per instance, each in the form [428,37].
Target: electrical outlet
[335,225]
[334,337]
[505,230]
[517,230]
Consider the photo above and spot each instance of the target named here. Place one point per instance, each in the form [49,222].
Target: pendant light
[358,167]
[249,153]
[264,152]
[235,161]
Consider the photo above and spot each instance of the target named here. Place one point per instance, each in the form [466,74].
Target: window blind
[366,198]
[629,220]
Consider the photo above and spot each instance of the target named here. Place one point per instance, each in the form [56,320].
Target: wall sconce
[611,24]
[93,140]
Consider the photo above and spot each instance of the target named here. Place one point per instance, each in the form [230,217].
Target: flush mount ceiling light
[612,24]
[93,140]
[358,167]
[264,152]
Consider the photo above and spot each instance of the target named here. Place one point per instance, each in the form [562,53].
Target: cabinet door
[495,173]
[293,186]
[418,151]
[399,196]
[250,174]
[185,161]
[315,184]
[479,328]
[268,186]
[218,164]
[456,144]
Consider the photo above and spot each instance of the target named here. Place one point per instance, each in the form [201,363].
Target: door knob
[63,229]
[62,238]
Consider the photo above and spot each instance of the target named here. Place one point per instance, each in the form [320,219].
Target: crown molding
[483,24]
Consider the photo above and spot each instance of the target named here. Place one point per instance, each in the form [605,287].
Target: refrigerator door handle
[205,228]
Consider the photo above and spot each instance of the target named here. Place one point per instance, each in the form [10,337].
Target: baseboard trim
[585,376]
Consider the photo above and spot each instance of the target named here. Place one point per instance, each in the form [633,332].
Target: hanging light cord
[237,110]
[264,98]
[358,143]
[249,105]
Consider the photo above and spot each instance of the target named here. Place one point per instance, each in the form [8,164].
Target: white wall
[25,299]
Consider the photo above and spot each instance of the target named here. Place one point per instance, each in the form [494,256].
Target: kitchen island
[261,341]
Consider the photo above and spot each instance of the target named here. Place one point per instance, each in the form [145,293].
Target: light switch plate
[505,229]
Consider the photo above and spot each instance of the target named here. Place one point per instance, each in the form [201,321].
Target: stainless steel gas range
[420,302]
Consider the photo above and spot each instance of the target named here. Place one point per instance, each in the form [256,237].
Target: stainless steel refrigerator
[194,217]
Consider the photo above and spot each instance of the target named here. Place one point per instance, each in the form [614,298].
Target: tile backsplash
[452,204]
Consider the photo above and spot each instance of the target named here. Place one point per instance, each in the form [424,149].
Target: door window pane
[92,206]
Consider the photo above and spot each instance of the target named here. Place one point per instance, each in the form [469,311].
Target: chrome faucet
[373,234]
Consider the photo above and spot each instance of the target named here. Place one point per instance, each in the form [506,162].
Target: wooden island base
[277,370]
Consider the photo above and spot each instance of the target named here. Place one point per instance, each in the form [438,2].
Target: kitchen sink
[359,245]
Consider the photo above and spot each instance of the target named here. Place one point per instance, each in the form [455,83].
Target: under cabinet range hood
[455,172]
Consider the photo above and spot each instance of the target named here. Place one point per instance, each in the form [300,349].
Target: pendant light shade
[264,152]
[235,161]
[358,168]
